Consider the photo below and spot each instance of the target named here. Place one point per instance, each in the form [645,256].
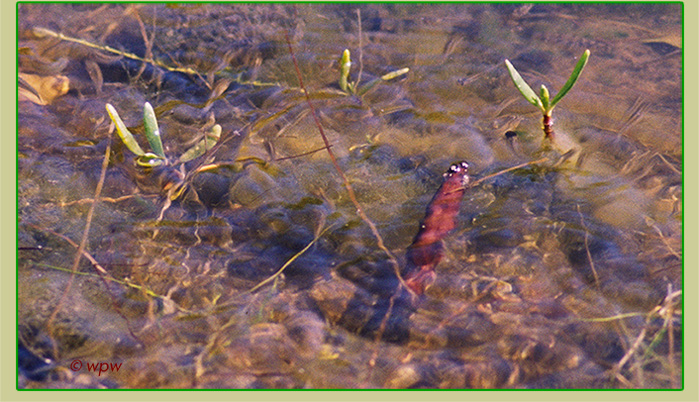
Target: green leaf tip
[523,87]
[152,132]
[577,70]
[389,76]
[126,137]
[208,142]
[394,74]
[544,97]
[345,64]
[345,59]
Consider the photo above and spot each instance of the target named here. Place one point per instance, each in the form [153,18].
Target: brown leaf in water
[42,90]
[673,40]
[93,69]
[665,45]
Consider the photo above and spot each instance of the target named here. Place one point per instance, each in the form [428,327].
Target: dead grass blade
[290,261]
[474,183]
[666,311]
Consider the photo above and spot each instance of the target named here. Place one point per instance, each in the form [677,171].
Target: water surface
[558,275]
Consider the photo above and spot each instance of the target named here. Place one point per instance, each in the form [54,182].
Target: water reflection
[557,276]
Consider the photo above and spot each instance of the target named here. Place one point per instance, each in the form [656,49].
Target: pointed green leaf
[123,132]
[394,74]
[573,77]
[215,132]
[523,87]
[369,85]
[202,146]
[152,132]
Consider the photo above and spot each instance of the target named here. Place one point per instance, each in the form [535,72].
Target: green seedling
[352,88]
[174,182]
[208,142]
[157,157]
[543,101]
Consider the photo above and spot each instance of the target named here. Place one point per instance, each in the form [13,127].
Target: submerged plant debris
[236,258]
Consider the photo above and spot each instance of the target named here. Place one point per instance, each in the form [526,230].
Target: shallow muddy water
[564,273]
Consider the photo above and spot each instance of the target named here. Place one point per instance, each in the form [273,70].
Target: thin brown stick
[301,155]
[474,183]
[382,328]
[670,165]
[623,380]
[148,42]
[587,247]
[671,349]
[47,32]
[667,244]
[634,347]
[441,325]
[106,199]
[361,51]
[85,254]
[668,310]
[81,249]
[345,181]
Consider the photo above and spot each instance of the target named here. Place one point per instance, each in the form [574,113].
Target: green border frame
[8,276]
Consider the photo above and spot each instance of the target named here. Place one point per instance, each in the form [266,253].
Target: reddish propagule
[427,250]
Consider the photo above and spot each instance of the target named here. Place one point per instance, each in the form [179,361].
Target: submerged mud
[560,274]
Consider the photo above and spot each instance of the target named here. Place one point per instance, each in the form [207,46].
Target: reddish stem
[547,123]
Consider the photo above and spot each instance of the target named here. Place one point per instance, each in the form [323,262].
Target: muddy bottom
[249,265]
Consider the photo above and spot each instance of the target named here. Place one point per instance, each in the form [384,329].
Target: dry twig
[587,247]
[664,310]
[79,253]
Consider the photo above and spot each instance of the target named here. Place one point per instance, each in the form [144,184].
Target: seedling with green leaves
[157,157]
[543,101]
[352,88]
